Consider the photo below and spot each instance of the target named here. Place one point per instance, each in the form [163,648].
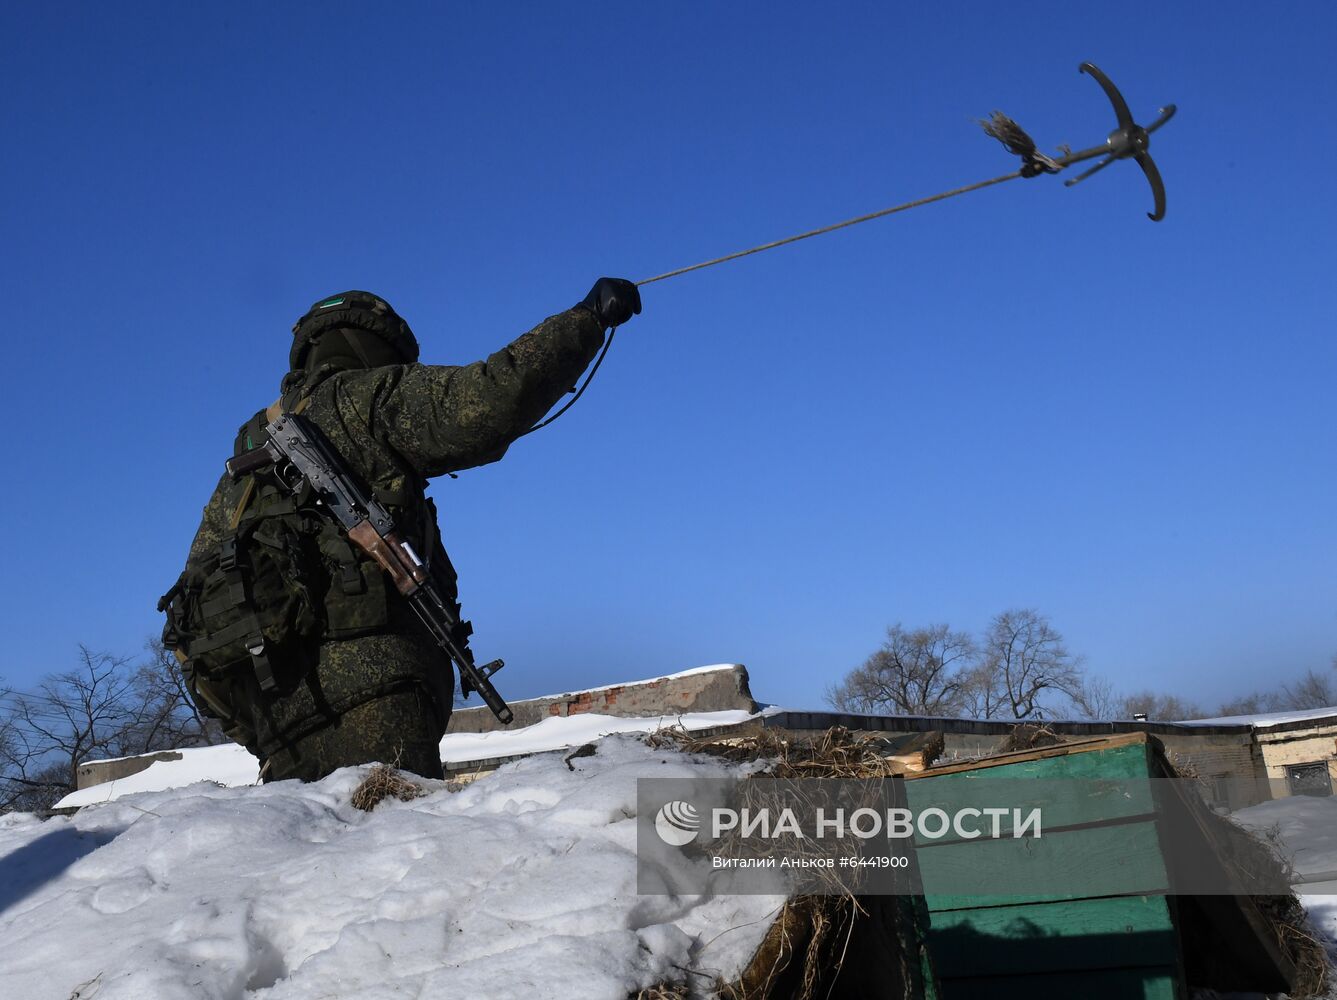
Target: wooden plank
[1076,864]
[1128,931]
[1107,984]
[1040,753]
[1079,789]
[1117,758]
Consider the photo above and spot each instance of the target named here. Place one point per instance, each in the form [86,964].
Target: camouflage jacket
[397,427]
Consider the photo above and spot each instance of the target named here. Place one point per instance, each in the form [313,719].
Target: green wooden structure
[1113,930]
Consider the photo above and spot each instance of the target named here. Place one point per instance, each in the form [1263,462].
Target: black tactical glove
[613,301]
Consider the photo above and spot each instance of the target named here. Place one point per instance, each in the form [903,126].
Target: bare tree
[71,717]
[1313,690]
[983,691]
[1024,665]
[916,672]
[165,716]
[1094,698]
[106,707]
[1258,703]
[1159,707]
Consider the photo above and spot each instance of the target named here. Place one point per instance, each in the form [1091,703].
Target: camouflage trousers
[398,728]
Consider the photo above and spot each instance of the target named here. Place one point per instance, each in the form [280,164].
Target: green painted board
[1126,932]
[1096,786]
[1131,760]
[1073,913]
[1071,864]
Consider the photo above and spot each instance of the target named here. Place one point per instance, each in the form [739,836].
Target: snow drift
[521,884]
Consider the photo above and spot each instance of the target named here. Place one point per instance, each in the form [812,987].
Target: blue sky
[1029,396]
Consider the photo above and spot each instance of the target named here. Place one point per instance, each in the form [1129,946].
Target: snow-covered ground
[1305,826]
[232,766]
[521,885]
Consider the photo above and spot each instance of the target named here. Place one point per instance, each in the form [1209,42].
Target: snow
[522,884]
[231,766]
[560,732]
[1267,719]
[1304,825]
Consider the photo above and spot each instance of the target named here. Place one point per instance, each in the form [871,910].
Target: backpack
[251,612]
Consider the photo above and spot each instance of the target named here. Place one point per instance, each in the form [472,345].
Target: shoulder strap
[252,435]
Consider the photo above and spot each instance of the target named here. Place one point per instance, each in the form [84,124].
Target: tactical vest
[252,613]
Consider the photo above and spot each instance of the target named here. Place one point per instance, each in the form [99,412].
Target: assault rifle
[300,456]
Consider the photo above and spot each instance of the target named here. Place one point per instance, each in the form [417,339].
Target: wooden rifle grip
[390,555]
[248,461]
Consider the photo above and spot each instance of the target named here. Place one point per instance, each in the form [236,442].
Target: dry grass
[793,957]
[1009,133]
[933,748]
[665,991]
[804,950]
[1185,767]
[835,753]
[1028,736]
[381,783]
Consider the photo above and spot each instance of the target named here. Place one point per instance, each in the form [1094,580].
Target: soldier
[355,677]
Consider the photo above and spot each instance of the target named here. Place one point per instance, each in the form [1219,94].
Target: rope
[771,246]
[832,228]
[581,391]
[871,215]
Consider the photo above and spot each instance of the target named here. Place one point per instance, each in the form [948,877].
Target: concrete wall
[1311,744]
[715,690]
[96,772]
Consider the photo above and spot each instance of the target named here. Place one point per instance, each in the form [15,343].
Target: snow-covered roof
[1267,719]
[522,884]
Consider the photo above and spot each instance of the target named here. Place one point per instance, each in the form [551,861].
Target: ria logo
[677,823]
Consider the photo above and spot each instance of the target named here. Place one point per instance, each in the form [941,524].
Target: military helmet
[352,310]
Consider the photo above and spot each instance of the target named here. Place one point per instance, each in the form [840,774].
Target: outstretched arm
[443,418]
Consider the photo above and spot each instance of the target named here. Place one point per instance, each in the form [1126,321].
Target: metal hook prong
[1128,141]
[1157,187]
[1096,169]
[1121,111]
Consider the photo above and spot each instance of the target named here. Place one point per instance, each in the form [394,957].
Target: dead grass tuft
[793,958]
[664,991]
[834,753]
[810,939]
[1029,736]
[381,783]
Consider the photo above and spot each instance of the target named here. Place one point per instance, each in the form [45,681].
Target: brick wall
[1297,746]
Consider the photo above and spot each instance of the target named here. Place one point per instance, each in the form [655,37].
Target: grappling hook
[1128,140]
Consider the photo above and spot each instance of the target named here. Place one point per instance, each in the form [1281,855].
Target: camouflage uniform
[387,696]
